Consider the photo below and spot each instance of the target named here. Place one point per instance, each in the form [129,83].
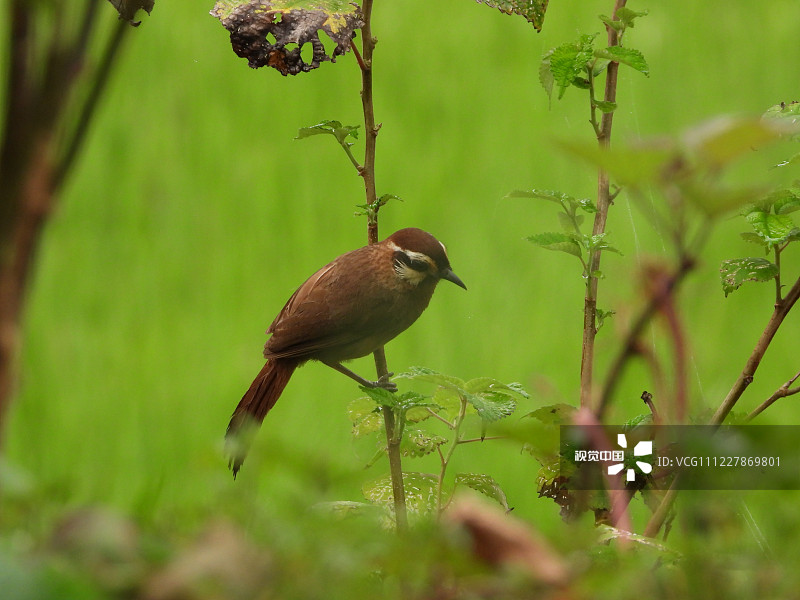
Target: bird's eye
[417,264]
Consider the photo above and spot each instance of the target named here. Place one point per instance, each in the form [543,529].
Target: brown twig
[599,226]
[781,392]
[367,172]
[657,298]
[782,308]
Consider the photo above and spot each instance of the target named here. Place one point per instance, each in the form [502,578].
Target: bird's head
[418,256]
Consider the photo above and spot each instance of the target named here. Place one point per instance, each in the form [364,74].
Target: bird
[348,309]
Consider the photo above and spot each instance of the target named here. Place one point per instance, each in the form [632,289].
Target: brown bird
[348,309]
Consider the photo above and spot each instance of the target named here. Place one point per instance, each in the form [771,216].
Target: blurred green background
[193,215]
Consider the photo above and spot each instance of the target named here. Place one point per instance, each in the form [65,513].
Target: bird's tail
[254,406]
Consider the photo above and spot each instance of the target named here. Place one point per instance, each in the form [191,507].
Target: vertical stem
[599,227]
[462,412]
[368,174]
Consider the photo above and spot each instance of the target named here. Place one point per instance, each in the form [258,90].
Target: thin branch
[781,392]
[657,299]
[782,308]
[599,226]
[367,172]
[483,439]
[433,413]
[89,108]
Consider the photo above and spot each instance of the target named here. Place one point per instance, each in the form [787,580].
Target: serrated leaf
[558,242]
[484,484]
[632,423]
[127,9]
[532,10]
[753,238]
[381,396]
[625,56]
[492,406]
[292,24]
[418,442]
[431,376]
[546,74]
[785,200]
[606,107]
[612,23]
[601,316]
[569,62]
[737,271]
[365,416]
[334,128]
[774,229]
[420,488]
[628,16]
[554,414]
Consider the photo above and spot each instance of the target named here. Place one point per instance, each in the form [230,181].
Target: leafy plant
[418,422]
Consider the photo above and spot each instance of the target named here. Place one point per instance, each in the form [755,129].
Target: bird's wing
[322,314]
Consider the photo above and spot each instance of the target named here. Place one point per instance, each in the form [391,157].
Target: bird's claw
[384,382]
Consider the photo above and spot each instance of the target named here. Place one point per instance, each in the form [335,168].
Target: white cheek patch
[408,274]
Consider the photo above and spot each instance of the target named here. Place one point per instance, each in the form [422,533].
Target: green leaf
[555,414]
[492,406]
[484,484]
[614,24]
[785,200]
[601,316]
[334,128]
[254,24]
[532,10]
[606,107]
[753,238]
[625,56]
[127,9]
[559,242]
[365,416]
[787,115]
[628,16]
[430,376]
[420,488]
[722,140]
[774,229]
[483,385]
[381,396]
[418,442]
[546,74]
[737,271]
[568,63]
[632,165]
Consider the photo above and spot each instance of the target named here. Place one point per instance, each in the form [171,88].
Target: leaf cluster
[578,63]
[453,401]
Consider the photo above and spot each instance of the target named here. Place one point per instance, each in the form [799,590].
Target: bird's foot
[386,383]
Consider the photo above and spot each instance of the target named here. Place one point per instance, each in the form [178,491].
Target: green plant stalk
[462,412]
[598,228]
[367,172]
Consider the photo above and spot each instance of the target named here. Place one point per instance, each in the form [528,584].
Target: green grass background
[193,215]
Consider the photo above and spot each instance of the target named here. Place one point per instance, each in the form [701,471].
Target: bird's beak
[450,276]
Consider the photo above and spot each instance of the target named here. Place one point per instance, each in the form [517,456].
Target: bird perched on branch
[348,309]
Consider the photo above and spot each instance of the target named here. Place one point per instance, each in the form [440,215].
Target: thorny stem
[367,172]
[599,227]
